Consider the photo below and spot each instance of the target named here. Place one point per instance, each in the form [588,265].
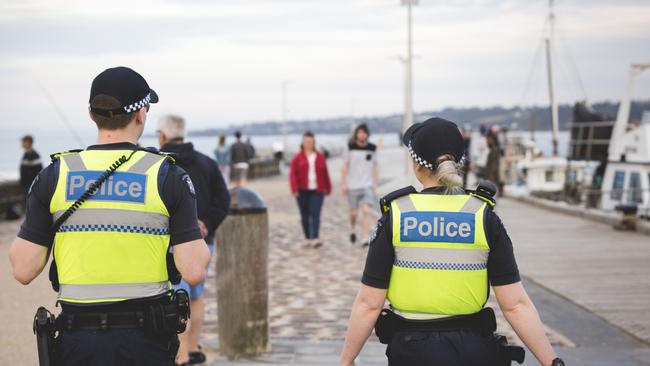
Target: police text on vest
[441,227]
[120,186]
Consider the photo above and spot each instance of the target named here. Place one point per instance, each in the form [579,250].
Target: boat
[626,181]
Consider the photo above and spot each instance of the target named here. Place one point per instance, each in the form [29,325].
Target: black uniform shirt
[501,266]
[172,184]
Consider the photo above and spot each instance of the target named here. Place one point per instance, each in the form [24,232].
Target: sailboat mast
[408,79]
[549,69]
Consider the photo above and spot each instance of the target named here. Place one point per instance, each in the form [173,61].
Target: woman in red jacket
[310,182]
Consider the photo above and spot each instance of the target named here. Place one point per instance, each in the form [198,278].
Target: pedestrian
[240,155]
[212,204]
[493,159]
[222,155]
[467,148]
[30,164]
[251,148]
[309,181]
[116,210]
[278,150]
[359,179]
[436,270]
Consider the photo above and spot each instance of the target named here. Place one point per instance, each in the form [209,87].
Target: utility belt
[161,320]
[389,323]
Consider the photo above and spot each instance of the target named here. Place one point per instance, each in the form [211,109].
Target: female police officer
[433,256]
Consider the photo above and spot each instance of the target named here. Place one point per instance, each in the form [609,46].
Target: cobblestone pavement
[312,290]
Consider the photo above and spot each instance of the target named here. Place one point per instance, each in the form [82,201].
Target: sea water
[48,142]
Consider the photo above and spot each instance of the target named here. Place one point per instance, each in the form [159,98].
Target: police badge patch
[189,184]
[31,186]
[374,231]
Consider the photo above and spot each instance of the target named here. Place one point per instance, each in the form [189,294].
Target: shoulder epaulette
[385,201]
[56,156]
[485,191]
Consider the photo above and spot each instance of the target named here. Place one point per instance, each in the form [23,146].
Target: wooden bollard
[241,274]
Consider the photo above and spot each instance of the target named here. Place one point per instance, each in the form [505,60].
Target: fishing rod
[60,112]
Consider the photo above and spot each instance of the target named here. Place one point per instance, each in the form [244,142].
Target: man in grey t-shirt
[359,180]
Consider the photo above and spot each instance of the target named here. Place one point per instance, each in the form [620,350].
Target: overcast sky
[223,62]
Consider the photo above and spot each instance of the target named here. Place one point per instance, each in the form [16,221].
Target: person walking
[467,148]
[309,181]
[359,179]
[493,163]
[30,164]
[433,256]
[116,209]
[212,204]
[222,155]
[240,153]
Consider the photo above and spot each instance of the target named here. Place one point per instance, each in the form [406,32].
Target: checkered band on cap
[419,160]
[137,105]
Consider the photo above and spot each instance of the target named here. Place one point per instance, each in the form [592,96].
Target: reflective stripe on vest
[441,254]
[114,246]
[117,291]
[74,162]
[100,219]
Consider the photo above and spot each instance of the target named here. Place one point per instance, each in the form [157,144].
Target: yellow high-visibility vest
[441,254]
[114,246]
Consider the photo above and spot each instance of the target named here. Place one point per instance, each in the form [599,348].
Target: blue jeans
[310,204]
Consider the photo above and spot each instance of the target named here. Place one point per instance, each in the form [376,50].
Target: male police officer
[116,209]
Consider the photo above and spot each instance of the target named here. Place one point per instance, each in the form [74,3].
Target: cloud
[223,62]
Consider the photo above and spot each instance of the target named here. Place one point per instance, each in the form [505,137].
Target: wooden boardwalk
[601,269]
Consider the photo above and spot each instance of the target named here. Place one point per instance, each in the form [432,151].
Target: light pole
[284,116]
[408,78]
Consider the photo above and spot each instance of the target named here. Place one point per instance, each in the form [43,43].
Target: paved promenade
[601,269]
[590,283]
[18,305]
[312,290]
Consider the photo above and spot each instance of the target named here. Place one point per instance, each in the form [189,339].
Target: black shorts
[459,348]
[124,347]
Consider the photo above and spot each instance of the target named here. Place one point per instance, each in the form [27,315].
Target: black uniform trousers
[112,347]
[451,348]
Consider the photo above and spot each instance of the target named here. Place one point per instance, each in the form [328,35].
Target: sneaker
[197,358]
[317,244]
[365,243]
[353,238]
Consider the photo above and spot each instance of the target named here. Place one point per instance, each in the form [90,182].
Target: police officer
[433,256]
[109,214]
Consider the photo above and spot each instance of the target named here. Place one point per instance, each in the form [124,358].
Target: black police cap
[125,85]
[433,138]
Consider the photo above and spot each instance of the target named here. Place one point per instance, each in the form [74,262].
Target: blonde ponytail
[448,173]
